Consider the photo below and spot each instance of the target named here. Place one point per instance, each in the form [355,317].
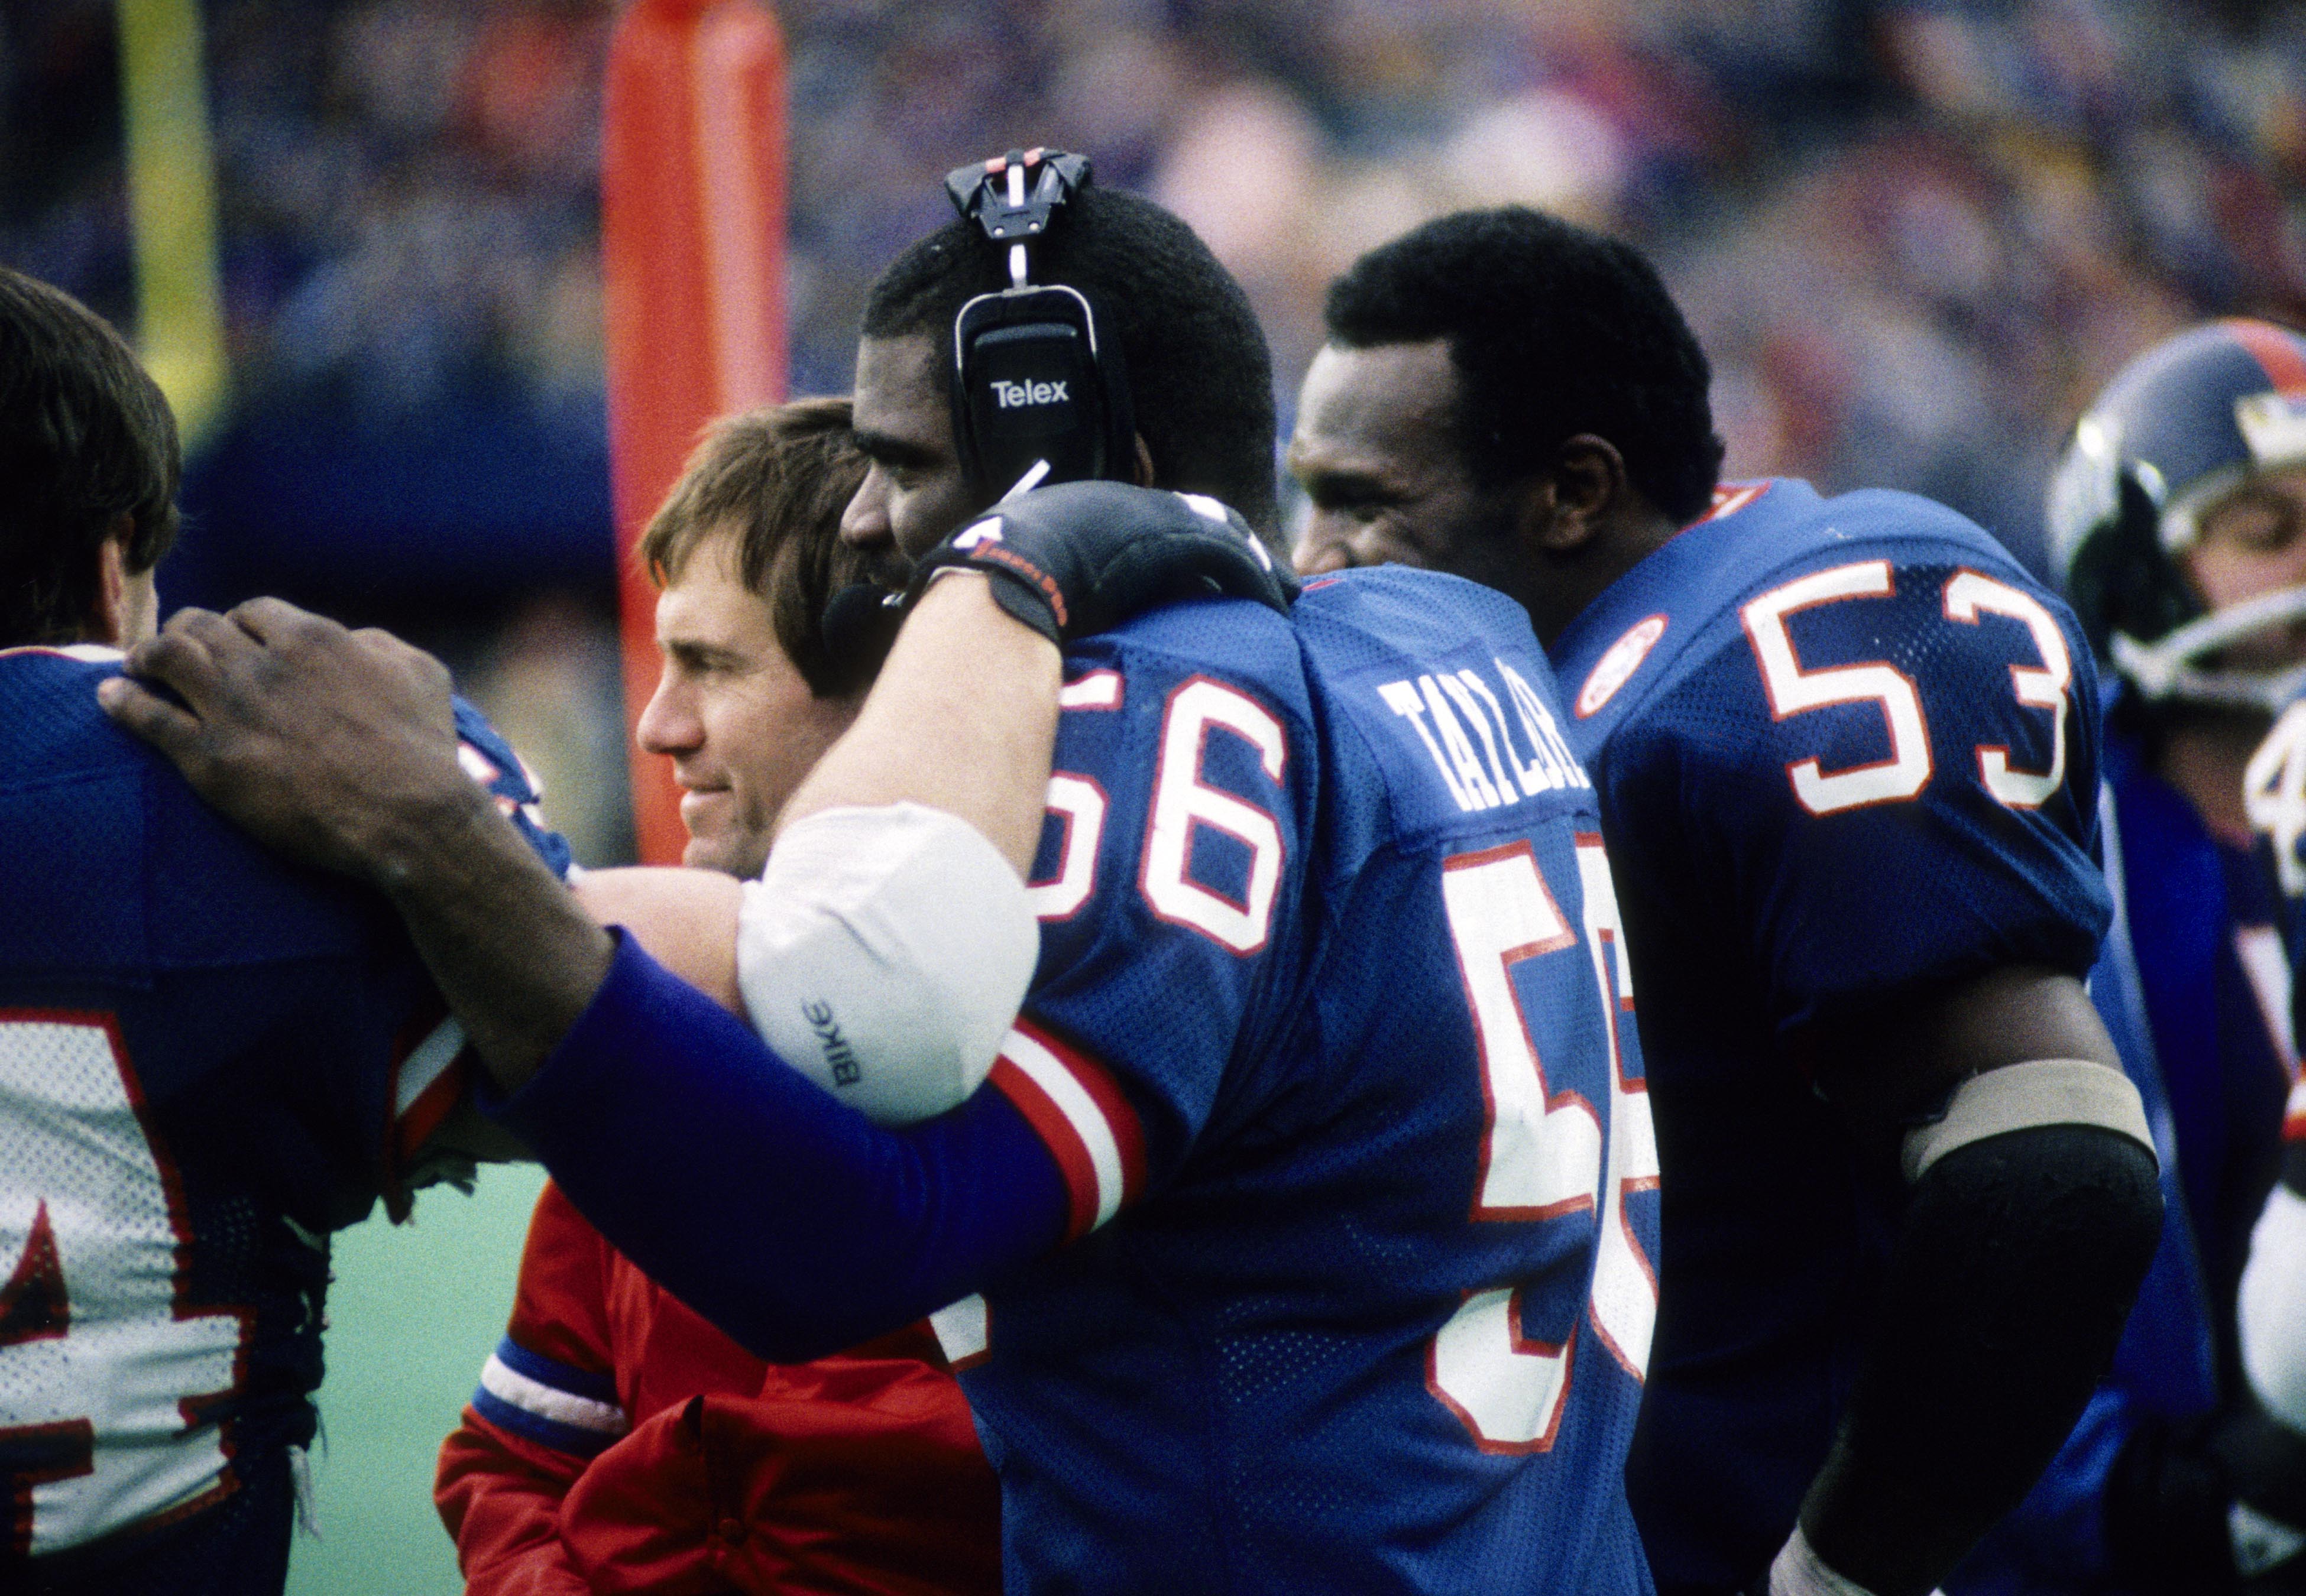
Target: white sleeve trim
[507,1384]
[424,1065]
[883,953]
[962,1330]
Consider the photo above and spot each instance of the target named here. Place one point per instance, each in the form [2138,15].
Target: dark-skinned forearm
[515,955]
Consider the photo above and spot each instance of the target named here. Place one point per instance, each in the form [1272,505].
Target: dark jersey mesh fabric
[1369,1312]
[1845,749]
[200,1050]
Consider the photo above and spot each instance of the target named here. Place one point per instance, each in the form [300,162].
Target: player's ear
[111,621]
[1568,505]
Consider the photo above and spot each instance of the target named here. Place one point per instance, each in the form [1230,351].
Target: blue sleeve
[1168,885]
[1897,763]
[782,1216]
[2054,1541]
[491,761]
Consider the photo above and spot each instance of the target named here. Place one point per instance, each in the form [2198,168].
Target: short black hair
[1200,378]
[86,441]
[1553,330]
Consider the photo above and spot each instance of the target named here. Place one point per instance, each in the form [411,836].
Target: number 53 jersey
[1330,1039]
[1845,749]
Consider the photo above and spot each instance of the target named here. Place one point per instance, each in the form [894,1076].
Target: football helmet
[2180,427]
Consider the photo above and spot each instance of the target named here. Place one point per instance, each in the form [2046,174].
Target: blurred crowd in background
[1913,238]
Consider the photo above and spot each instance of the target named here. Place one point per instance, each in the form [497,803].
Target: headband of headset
[1035,394]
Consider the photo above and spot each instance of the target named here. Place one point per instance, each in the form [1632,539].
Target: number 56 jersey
[1846,749]
[1330,1036]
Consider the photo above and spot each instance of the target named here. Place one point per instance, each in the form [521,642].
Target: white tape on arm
[883,953]
[1799,1572]
[2274,1309]
[2050,1091]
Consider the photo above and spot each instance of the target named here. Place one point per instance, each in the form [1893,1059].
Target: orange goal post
[693,267]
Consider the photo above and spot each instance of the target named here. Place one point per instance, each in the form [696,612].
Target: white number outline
[1507,1388]
[2038,686]
[1181,800]
[1624,1280]
[2274,794]
[1524,1148]
[1794,691]
[118,1502]
[1078,803]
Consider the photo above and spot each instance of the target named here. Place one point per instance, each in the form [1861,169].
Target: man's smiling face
[731,711]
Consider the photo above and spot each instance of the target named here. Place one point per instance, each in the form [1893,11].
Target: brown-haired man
[610,1404]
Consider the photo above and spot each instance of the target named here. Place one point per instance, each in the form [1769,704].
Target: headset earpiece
[1030,381]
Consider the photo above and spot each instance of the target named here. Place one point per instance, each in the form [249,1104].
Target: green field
[415,1310]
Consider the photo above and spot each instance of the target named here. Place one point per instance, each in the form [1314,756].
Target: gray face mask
[2170,669]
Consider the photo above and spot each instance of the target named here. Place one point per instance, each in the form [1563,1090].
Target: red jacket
[618,1443]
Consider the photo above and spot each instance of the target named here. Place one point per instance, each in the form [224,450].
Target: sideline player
[1846,754]
[207,1062]
[1311,1193]
[2178,529]
[578,1463]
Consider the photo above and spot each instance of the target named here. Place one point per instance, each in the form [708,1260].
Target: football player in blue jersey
[1847,757]
[2175,518]
[2180,515]
[1311,1199]
[209,1061]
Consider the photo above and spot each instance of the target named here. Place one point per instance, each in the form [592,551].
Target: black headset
[1035,394]
[1032,386]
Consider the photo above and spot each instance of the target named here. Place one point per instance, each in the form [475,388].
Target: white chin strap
[2168,670]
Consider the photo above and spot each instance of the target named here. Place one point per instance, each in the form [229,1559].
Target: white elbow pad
[2274,1309]
[2048,1091]
[883,953]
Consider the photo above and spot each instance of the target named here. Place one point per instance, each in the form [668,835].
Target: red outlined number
[2042,686]
[1793,690]
[1543,1155]
[1541,1152]
[1624,1307]
[1182,802]
[1078,804]
[107,1373]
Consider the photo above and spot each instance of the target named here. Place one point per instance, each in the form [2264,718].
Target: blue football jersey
[209,1061]
[2193,989]
[1844,750]
[1330,1039]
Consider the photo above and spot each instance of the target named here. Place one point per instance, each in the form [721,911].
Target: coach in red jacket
[618,1442]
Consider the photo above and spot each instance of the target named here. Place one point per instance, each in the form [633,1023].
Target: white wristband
[1798,1572]
[883,953]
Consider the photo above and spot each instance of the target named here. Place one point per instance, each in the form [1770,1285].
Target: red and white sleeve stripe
[2293,1113]
[430,1078]
[1078,1110]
